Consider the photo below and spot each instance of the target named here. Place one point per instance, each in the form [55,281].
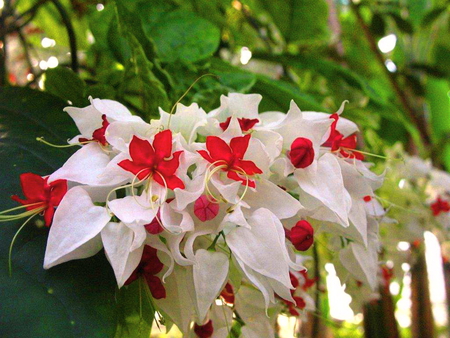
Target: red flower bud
[302,152]
[204,331]
[302,235]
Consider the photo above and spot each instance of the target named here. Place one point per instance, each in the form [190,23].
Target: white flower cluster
[208,205]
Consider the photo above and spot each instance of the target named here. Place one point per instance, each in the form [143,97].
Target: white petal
[295,125]
[260,248]
[114,110]
[186,120]
[325,183]
[180,300]
[176,221]
[120,133]
[272,197]
[117,239]
[250,306]
[76,224]
[210,277]
[88,166]
[361,262]
[87,119]
[239,105]
[133,209]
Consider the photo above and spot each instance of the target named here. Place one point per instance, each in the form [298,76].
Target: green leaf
[299,20]
[403,25]
[136,311]
[437,94]
[176,36]
[75,299]
[66,84]
[433,15]
[378,25]
[277,95]
[118,44]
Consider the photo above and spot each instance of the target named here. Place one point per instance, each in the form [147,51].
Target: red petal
[172,182]
[204,331]
[205,155]
[224,125]
[141,151]
[249,167]
[169,167]
[234,176]
[163,143]
[247,124]
[134,168]
[33,187]
[156,287]
[218,149]
[48,215]
[239,145]
[58,190]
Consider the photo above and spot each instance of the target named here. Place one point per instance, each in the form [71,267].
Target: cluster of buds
[214,211]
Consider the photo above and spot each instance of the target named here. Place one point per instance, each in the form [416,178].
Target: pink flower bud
[302,235]
[204,209]
[302,152]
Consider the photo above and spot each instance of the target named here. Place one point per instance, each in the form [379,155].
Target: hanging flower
[302,152]
[440,206]
[41,196]
[155,161]
[344,145]
[99,134]
[230,158]
[149,266]
[302,235]
[204,331]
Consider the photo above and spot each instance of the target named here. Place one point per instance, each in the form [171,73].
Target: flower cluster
[211,206]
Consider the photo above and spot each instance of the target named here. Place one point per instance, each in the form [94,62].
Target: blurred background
[389,58]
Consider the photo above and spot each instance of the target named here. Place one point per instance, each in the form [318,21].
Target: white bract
[206,206]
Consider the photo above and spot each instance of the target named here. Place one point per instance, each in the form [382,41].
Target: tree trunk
[421,313]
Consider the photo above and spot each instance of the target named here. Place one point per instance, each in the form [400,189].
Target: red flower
[337,142]
[99,134]
[228,294]
[308,282]
[439,206]
[40,195]
[154,161]
[302,152]
[149,266]
[220,153]
[245,124]
[204,209]
[204,331]
[302,235]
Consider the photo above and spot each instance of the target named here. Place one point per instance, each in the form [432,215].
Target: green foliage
[64,301]
[67,85]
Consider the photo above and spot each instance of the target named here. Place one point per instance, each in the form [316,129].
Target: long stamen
[132,185]
[247,182]
[373,155]
[41,139]
[208,178]
[185,93]
[10,218]
[19,207]
[13,241]
[165,198]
